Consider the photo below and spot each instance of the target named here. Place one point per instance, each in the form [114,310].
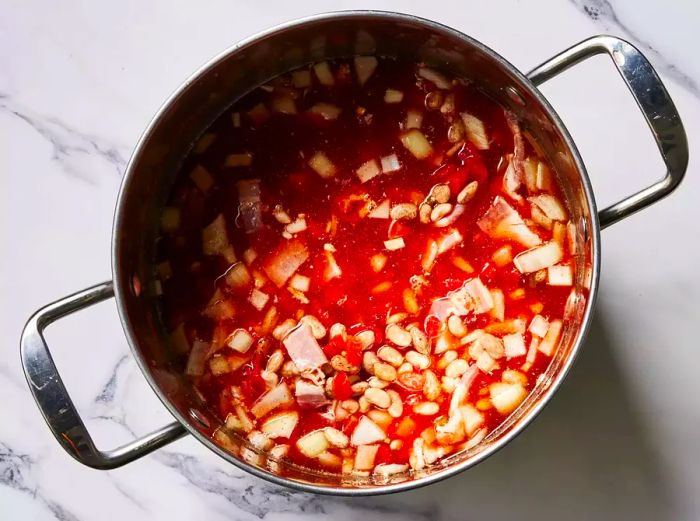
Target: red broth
[364,266]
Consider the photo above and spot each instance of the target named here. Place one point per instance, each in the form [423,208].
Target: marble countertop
[78,83]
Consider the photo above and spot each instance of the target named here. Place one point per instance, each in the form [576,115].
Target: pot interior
[212,90]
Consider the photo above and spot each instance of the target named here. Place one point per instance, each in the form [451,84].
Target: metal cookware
[252,62]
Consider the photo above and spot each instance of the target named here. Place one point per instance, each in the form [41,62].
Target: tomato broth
[364,266]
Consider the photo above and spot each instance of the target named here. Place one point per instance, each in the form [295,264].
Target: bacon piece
[303,348]
[501,221]
[308,395]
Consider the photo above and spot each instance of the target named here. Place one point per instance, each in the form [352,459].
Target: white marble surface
[78,83]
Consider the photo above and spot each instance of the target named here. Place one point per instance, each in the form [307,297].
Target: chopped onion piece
[303,348]
[364,67]
[472,419]
[440,81]
[278,396]
[449,241]
[538,326]
[518,159]
[178,340]
[313,444]
[393,96]
[323,73]
[530,169]
[394,244]
[170,219]
[301,79]
[390,164]
[550,205]
[300,283]
[451,217]
[506,396]
[388,469]
[309,395]
[538,258]
[249,256]
[560,275]
[414,119]
[368,170]
[378,262]
[366,432]
[258,299]
[280,425]
[332,269]
[259,114]
[238,277]
[381,211]
[326,111]
[240,340]
[284,104]
[498,311]
[322,165]
[196,362]
[236,119]
[501,221]
[544,177]
[202,178]
[476,131]
[204,143]
[365,456]
[214,237]
[551,339]
[218,307]
[514,345]
[244,159]
[285,260]
[416,143]
[511,181]
[297,226]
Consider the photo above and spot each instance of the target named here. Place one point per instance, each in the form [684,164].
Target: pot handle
[654,102]
[52,398]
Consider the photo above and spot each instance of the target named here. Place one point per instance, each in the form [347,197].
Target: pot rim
[121,280]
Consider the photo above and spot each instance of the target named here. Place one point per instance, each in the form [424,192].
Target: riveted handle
[53,400]
[654,102]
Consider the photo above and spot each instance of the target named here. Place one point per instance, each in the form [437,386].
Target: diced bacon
[366,433]
[514,345]
[501,221]
[518,146]
[309,395]
[511,181]
[475,130]
[481,297]
[303,348]
[282,263]
[442,308]
[278,396]
[538,258]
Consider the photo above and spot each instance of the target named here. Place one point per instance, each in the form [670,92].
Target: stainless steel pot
[211,90]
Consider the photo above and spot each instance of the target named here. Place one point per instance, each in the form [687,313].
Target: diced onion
[284,104]
[514,345]
[322,165]
[551,339]
[560,275]
[170,219]
[378,261]
[214,237]
[364,67]
[366,432]
[390,163]
[538,258]
[538,326]
[279,396]
[238,277]
[240,341]
[258,299]
[201,178]
[505,397]
[236,119]
[393,96]
[368,170]
[259,114]
[365,456]
[197,359]
[544,177]
[501,221]
[178,340]
[414,119]
[323,73]
[550,205]
[285,260]
[204,143]
[440,81]
[301,79]
[394,244]
[476,131]
[280,425]
[300,283]
[313,444]
[416,143]
[332,270]
[234,160]
[326,111]
[381,211]
[498,311]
